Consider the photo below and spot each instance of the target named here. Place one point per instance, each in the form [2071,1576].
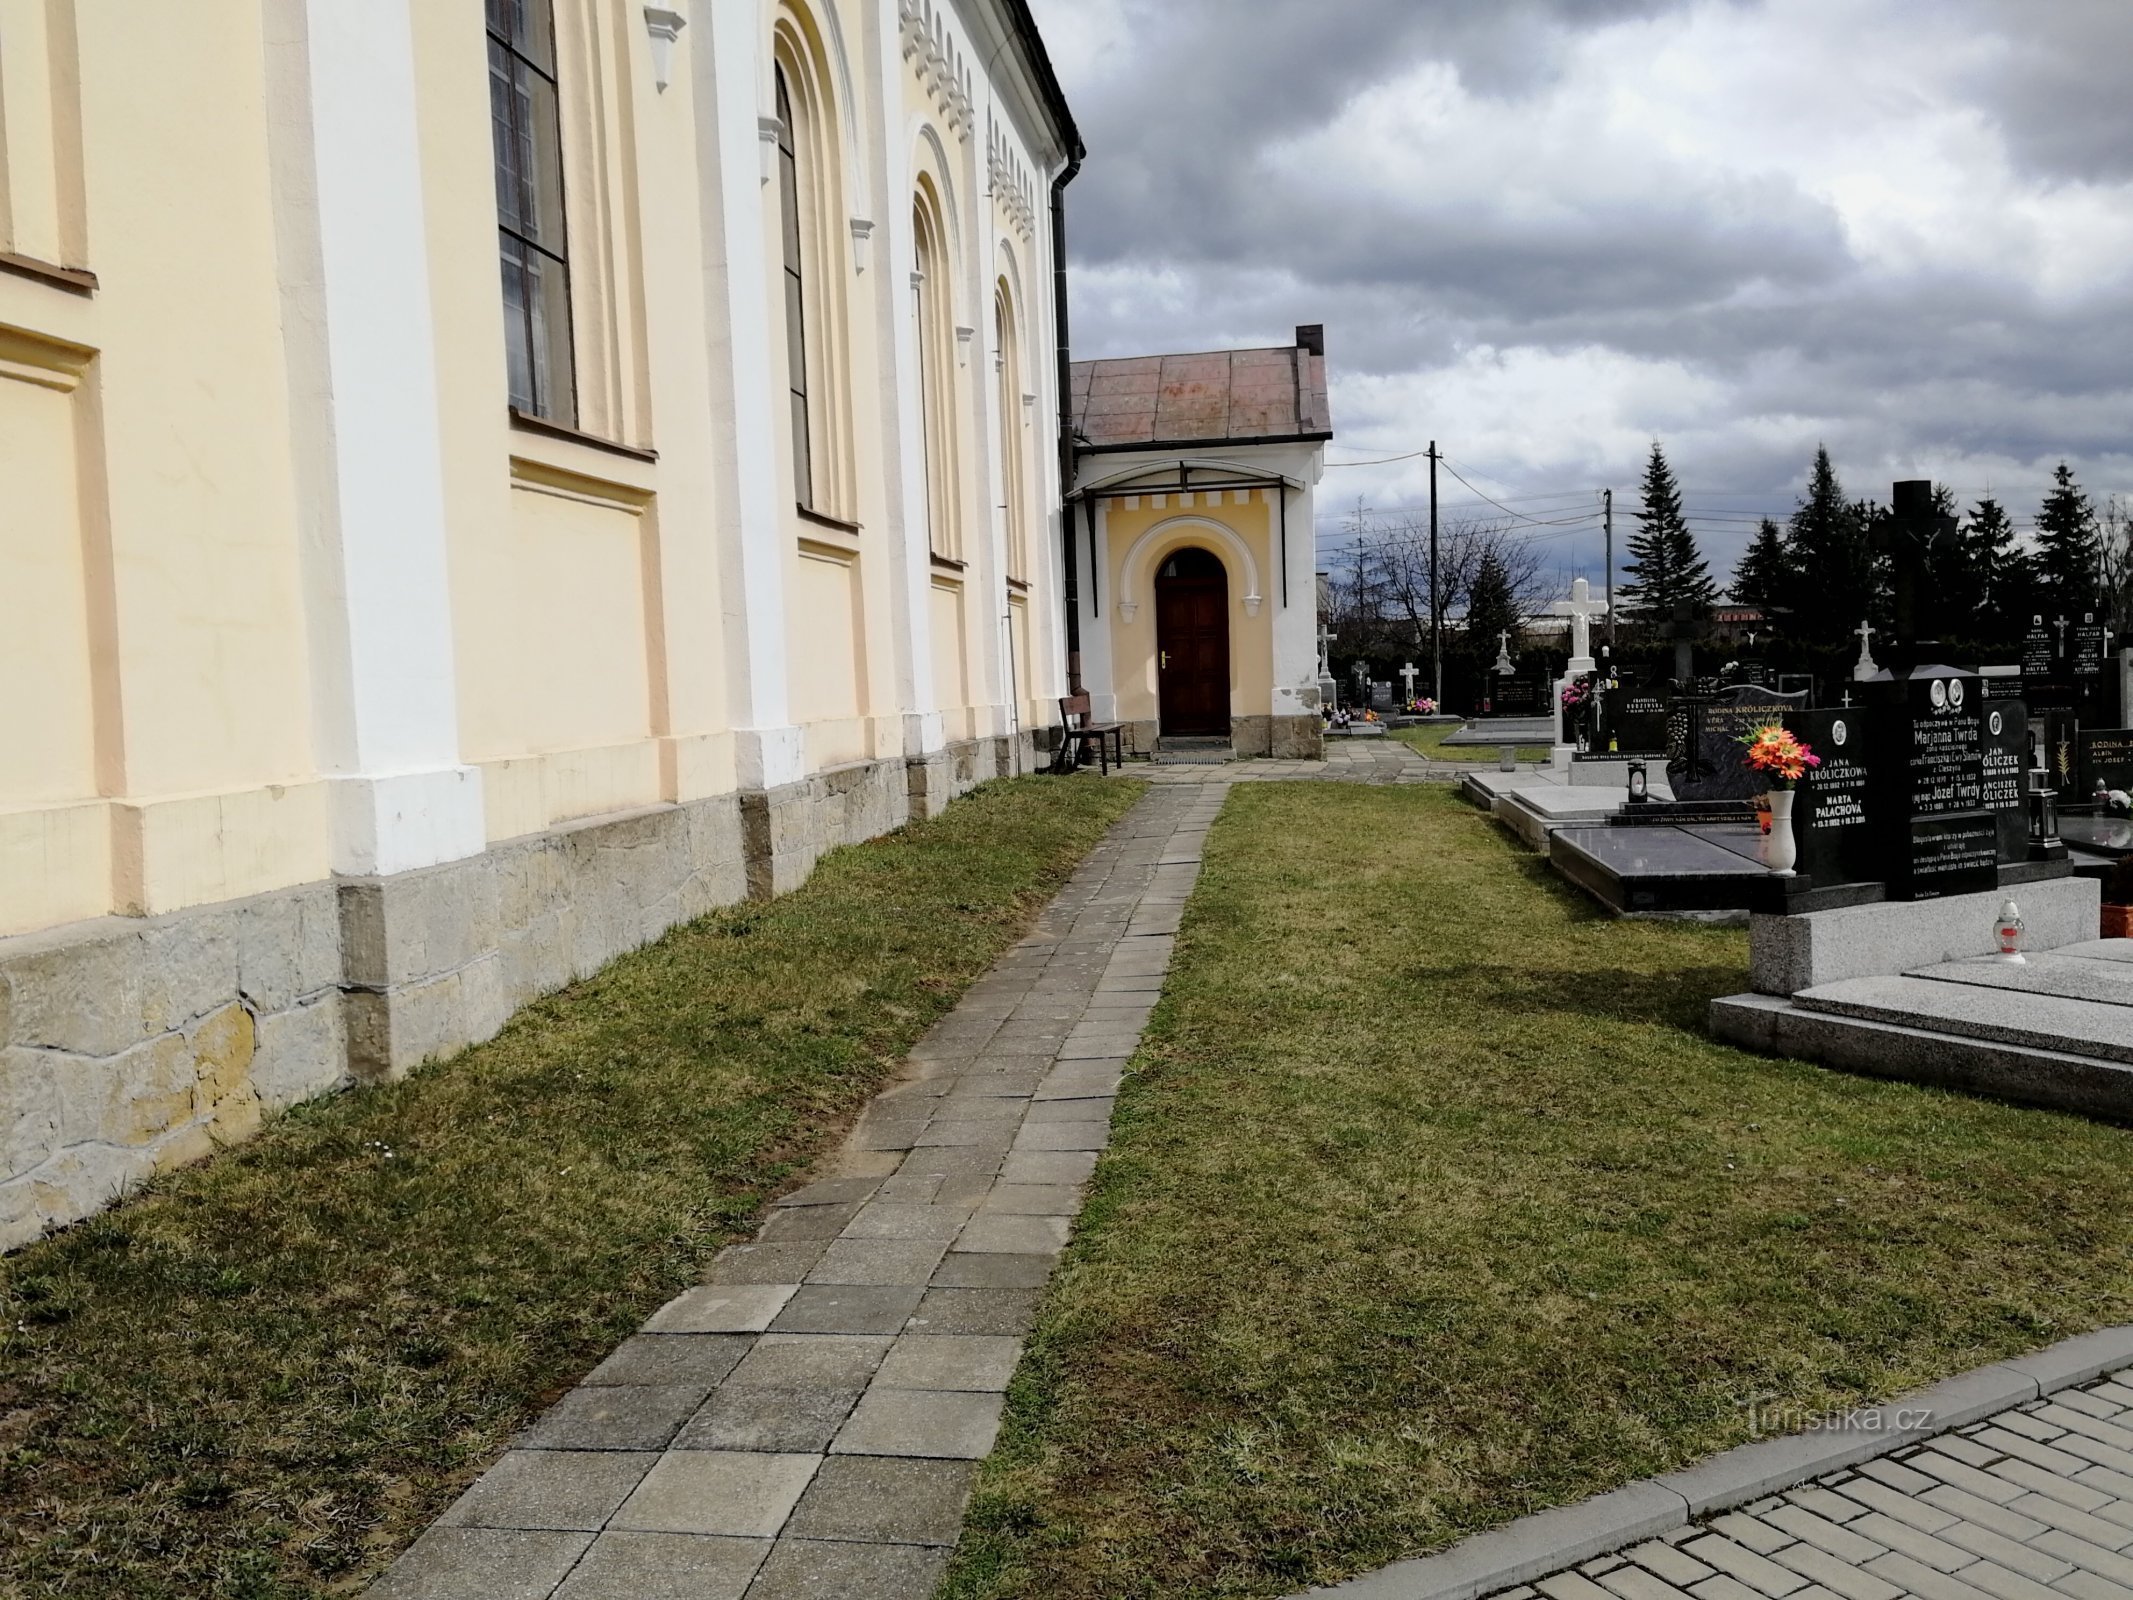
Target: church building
[484,481]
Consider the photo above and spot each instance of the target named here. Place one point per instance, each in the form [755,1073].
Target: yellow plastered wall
[1130,577]
[157,750]
[565,557]
[827,654]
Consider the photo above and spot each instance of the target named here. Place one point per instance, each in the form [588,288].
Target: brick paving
[2034,1503]
[807,1423]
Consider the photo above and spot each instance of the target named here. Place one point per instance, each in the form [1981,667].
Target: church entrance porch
[1192,645]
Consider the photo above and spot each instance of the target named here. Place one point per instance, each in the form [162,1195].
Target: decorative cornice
[940,66]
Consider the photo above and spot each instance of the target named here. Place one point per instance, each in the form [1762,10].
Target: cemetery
[1922,885]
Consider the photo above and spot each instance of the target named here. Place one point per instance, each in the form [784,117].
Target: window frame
[513,115]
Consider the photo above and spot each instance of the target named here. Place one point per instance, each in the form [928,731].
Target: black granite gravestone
[1753,672]
[2038,657]
[2003,745]
[1515,697]
[1634,720]
[2088,647]
[2007,686]
[1831,819]
[1706,759]
[1928,782]
[2106,757]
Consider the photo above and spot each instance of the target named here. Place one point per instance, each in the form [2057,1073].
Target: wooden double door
[1192,645]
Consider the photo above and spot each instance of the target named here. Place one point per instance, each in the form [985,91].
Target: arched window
[1013,489]
[803,470]
[933,323]
[811,270]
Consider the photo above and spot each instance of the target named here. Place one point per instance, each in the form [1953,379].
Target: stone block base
[130,1046]
[1788,954]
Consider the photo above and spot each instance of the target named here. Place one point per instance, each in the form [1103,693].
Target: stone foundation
[131,1046]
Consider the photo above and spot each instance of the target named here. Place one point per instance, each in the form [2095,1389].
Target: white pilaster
[1099,605]
[362,381]
[749,488]
[1296,621]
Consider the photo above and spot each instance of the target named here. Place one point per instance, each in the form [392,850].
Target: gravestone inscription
[1929,785]
[2106,758]
[2038,656]
[2088,647]
[2003,741]
[1634,720]
[1706,759]
[1831,821]
[1515,697]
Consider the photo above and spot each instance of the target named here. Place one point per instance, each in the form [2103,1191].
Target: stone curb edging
[1549,1541]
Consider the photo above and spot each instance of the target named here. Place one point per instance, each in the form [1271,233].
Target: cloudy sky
[1546,232]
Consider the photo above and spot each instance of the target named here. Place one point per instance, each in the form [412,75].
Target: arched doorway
[1192,644]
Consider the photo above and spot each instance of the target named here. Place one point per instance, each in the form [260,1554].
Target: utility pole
[1436,595]
[1607,517]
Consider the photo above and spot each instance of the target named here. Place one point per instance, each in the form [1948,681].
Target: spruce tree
[2003,569]
[1832,582]
[2067,547]
[1763,577]
[1491,612]
[1665,569]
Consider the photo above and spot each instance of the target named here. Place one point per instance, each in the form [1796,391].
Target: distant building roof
[1262,396]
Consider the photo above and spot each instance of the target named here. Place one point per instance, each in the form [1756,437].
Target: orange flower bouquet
[1779,755]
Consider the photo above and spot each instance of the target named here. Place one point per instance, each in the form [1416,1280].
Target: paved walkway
[2035,1503]
[1380,760]
[808,1422]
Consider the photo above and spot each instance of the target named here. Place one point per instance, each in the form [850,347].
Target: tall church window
[936,376]
[1008,354]
[795,301]
[539,366]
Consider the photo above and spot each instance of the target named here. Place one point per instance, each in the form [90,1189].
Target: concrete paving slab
[565,1490]
[980,1363]
[788,1419]
[698,1360]
[665,1566]
[747,1494]
[722,1308]
[883,1500]
[847,1308]
[913,1422]
[614,1417]
[811,1361]
[819,1569]
[481,1564]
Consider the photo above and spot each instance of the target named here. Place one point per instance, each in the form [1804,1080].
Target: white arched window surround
[1167,535]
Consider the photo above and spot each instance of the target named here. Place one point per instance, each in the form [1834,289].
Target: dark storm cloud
[1893,228]
[2057,85]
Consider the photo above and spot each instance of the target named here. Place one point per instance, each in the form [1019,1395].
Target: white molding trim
[664,24]
[1168,464]
[1131,579]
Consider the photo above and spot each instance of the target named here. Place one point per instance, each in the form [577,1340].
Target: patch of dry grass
[1432,1204]
[261,1378]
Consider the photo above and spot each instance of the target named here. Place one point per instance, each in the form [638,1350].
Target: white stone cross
[1325,643]
[1866,666]
[1503,652]
[2060,624]
[1407,680]
[1580,608]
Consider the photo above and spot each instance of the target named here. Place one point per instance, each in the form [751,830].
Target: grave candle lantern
[1639,783]
[2007,931]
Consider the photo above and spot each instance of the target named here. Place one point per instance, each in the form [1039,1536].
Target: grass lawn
[262,1377]
[1431,1204]
[1429,739]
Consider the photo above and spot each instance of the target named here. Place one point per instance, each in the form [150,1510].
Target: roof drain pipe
[1070,571]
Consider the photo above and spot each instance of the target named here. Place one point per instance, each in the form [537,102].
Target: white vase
[1779,849]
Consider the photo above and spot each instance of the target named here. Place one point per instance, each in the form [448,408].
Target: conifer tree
[1763,577]
[1833,578]
[1665,569]
[2067,547]
[2003,570]
[1491,611]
